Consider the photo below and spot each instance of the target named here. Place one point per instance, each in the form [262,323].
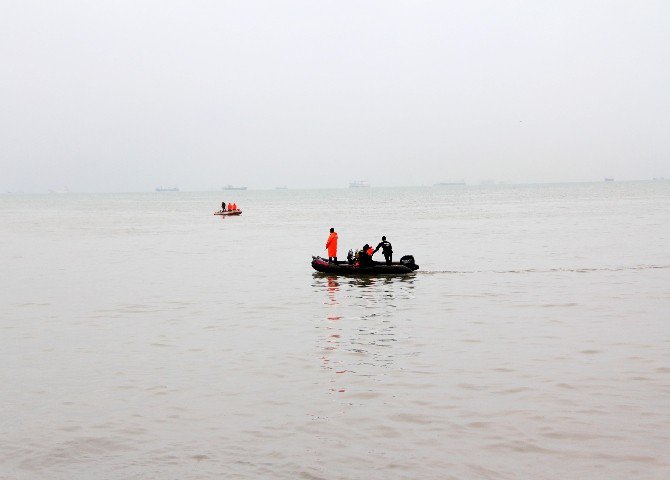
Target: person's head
[383,238]
[332,230]
[366,247]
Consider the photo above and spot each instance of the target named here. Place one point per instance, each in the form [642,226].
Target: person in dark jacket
[387,250]
[223,206]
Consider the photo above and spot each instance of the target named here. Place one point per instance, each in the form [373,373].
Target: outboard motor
[408,261]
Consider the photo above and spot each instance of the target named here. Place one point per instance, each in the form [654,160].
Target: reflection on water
[360,343]
[333,287]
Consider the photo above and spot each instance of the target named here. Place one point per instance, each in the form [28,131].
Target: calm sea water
[143,337]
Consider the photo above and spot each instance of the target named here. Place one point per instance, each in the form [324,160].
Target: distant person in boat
[387,250]
[230,207]
[223,206]
[331,245]
[234,206]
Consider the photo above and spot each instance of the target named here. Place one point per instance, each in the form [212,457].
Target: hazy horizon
[233,192]
[128,96]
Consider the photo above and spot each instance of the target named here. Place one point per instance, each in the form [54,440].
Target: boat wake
[547,270]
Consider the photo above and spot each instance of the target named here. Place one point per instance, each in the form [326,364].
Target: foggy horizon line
[241,188]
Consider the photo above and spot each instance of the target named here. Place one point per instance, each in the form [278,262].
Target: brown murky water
[142,337]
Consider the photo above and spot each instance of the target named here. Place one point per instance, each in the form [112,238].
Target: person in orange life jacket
[331,245]
[387,250]
[230,207]
[234,206]
[364,257]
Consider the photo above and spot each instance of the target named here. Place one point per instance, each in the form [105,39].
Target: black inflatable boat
[403,267]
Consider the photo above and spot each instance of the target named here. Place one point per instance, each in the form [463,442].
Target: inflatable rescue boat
[403,267]
[228,213]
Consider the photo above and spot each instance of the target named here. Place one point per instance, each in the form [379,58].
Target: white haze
[129,95]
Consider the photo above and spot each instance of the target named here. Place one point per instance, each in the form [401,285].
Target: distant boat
[359,184]
[167,189]
[281,188]
[609,179]
[448,184]
[228,213]
[232,187]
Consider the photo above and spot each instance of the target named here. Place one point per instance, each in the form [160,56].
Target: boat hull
[343,268]
[228,214]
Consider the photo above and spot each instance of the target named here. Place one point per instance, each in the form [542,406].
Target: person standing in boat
[387,250]
[223,206]
[331,245]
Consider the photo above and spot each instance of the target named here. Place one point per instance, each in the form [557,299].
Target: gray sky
[129,95]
